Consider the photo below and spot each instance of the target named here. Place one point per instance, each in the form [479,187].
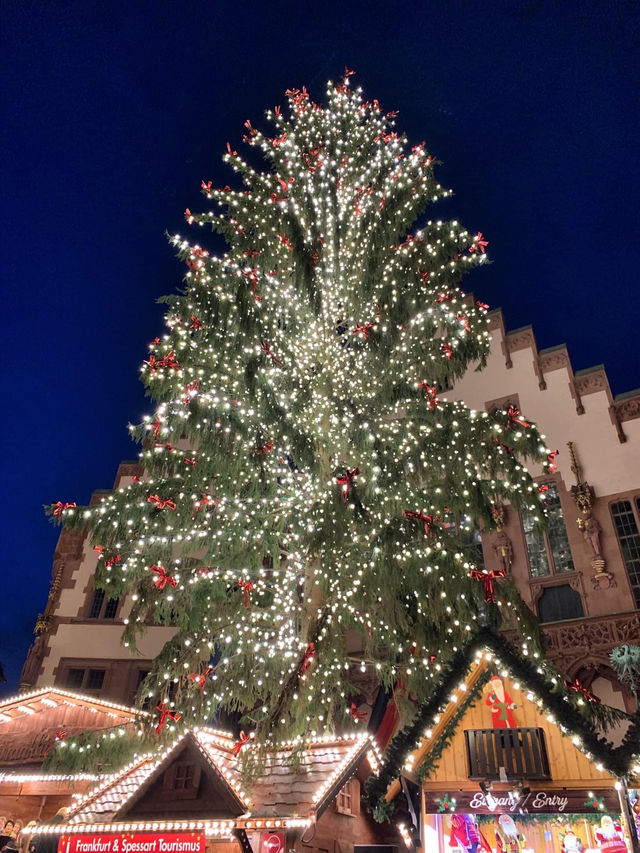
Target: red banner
[133,842]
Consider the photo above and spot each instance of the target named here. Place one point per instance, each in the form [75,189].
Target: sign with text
[133,842]
[565,801]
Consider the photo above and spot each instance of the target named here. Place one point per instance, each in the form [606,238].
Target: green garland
[552,819]
[581,721]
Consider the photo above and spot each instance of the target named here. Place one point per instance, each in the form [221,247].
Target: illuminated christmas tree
[311,503]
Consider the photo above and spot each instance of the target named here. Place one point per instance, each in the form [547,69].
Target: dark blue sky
[113,112]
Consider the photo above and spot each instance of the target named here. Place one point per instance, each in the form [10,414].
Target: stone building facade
[582,577]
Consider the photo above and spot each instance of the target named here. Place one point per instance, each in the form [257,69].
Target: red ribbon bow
[308,657]
[265,346]
[346,482]
[191,462]
[357,715]
[247,586]
[482,305]
[99,549]
[487,578]
[464,322]
[112,561]
[580,688]
[243,741]
[363,330]
[163,578]
[447,349]
[59,508]
[263,449]
[190,390]
[479,244]
[166,713]
[430,393]
[206,500]
[195,323]
[161,503]
[427,519]
[514,417]
[60,736]
[553,465]
[200,678]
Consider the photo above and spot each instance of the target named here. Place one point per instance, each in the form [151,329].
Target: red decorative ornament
[464,322]
[355,714]
[169,360]
[263,449]
[113,561]
[246,587]
[346,481]
[430,393]
[188,216]
[163,578]
[447,349]
[190,390]
[60,736]
[200,678]
[206,187]
[553,465]
[364,330]
[99,549]
[308,657]
[166,713]
[580,688]
[265,346]
[482,305]
[243,741]
[206,500]
[428,521]
[231,151]
[190,462]
[59,508]
[161,503]
[480,244]
[488,579]
[514,417]
[443,297]
[543,489]
[156,428]
[196,323]
[286,242]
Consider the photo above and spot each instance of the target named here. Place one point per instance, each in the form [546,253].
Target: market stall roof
[567,705]
[37,701]
[294,787]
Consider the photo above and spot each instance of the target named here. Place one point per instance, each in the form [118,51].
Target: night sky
[113,112]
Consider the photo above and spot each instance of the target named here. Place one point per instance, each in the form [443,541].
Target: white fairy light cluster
[305,478]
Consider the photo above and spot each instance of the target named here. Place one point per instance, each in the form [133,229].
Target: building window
[517,753]
[90,680]
[626,524]
[548,550]
[348,800]
[559,602]
[102,607]
[182,780]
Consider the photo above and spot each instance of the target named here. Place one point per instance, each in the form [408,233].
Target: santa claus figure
[571,842]
[501,705]
[508,839]
[610,836]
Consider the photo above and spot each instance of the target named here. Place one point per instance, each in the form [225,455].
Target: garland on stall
[545,819]
[571,713]
[105,750]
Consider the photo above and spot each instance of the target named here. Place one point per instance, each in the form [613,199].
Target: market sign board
[133,842]
[532,801]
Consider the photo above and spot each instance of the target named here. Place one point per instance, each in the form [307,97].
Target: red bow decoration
[308,657]
[553,465]
[243,741]
[580,688]
[463,321]
[263,449]
[427,519]
[482,305]
[99,549]
[514,417]
[188,216]
[190,390]
[112,561]
[61,735]
[542,489]
[191,462]
[279,140]
[286,242]
[231,151]
[276,199]
[246,586]
[487,578]
[195,323]
[59,508]
[430,393]
[161,503]
[265,346]
[206,187]
[480,243]
[363,330]
[357,715]
[443,297]
[200,678]
[163,578]
[156,428]
[169,360]
[166,713]
[447,349]
[346,481]
[206,500]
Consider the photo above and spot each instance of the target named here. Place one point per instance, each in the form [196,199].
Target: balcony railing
[507,754]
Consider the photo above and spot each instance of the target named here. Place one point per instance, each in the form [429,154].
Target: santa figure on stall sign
[571,842]
[610,836]
[501,704]
[508,839]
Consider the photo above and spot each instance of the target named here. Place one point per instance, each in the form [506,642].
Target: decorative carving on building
[502,403]
[554,359]
[628,409]
[521,339]
[584,496]
[504,551]
[590,383]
